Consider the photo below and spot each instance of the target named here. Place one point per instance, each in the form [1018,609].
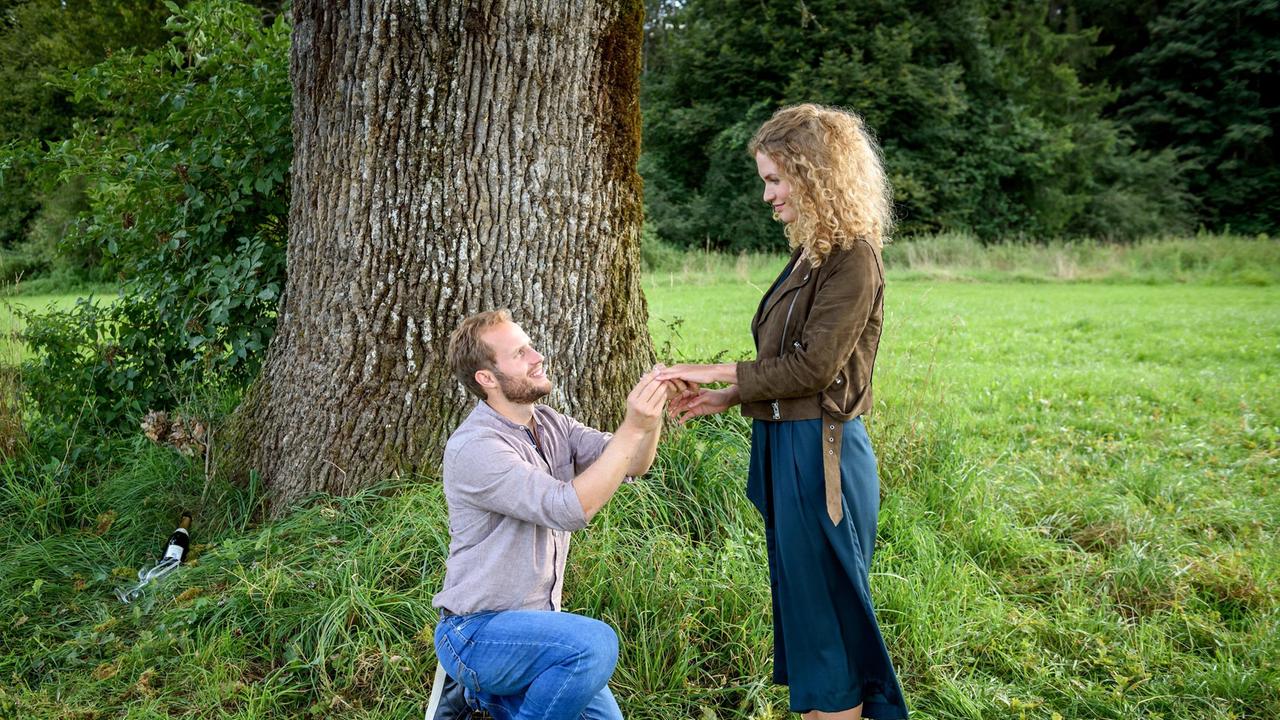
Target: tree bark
[450,157]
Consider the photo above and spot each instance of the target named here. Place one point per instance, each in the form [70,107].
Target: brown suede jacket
[816,335]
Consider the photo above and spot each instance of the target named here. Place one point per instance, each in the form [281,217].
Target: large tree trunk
[450,157]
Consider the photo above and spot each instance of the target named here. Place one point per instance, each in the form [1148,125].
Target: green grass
[1079,517]
[9,323]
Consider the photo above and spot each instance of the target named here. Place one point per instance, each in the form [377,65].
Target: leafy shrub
[186,158]
[39,40]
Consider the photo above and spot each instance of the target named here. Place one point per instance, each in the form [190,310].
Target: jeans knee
[600,649]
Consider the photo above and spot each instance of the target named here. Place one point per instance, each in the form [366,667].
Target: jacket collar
[800,274]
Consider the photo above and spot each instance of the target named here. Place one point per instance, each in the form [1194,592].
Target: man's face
[518,367]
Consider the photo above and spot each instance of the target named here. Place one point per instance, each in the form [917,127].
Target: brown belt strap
[832,432]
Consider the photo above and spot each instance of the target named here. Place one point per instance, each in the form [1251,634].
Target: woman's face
[776,190]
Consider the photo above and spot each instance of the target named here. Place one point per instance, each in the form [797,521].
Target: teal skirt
[827,644]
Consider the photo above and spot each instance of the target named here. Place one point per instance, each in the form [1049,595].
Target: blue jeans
[532,663]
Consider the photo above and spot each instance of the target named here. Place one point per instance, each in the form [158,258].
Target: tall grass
[1212,259]
[13,435]
[1205,259]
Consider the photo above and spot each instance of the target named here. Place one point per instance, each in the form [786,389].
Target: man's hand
[677,389]
[632,448]
[646,401]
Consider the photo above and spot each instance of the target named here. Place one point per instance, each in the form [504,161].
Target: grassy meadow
[1079,467]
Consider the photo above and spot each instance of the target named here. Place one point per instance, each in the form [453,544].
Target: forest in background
[1032,120]
[1043,120]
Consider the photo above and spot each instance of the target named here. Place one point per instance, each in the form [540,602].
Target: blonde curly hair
[838,186]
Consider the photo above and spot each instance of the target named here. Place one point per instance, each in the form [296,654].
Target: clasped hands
[681,388]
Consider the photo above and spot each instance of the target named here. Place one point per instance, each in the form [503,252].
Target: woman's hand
[699,402]
[702,374]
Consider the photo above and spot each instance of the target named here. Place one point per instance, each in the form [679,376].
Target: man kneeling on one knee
[519,477]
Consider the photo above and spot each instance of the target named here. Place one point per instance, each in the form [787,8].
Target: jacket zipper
[782,344]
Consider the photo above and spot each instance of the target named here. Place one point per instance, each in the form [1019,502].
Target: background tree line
[1047,119]
[1007,120]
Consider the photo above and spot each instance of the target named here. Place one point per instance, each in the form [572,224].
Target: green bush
[39,41]
[185,159]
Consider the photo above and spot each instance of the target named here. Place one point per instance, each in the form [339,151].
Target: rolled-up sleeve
[490,475]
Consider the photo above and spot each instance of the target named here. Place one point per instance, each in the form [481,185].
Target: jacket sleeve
[842,304]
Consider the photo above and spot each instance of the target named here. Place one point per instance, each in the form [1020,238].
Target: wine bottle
[176,546]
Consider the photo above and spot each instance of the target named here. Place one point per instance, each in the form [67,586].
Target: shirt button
[831,452]
[831,439]
[831,427]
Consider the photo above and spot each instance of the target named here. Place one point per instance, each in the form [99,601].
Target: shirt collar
[486,410]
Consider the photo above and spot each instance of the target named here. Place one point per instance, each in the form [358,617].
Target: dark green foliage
[985,123]
[40,40]
[1122,31]
[42,254]
[186,156]
[1205,84]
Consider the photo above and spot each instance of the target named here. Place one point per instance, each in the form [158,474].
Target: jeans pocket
[452,640]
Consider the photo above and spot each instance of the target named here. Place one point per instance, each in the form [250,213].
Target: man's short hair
[468,353]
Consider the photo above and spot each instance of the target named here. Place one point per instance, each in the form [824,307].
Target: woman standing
[812,472]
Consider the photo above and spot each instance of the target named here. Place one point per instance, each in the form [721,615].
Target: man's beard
[521,390]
